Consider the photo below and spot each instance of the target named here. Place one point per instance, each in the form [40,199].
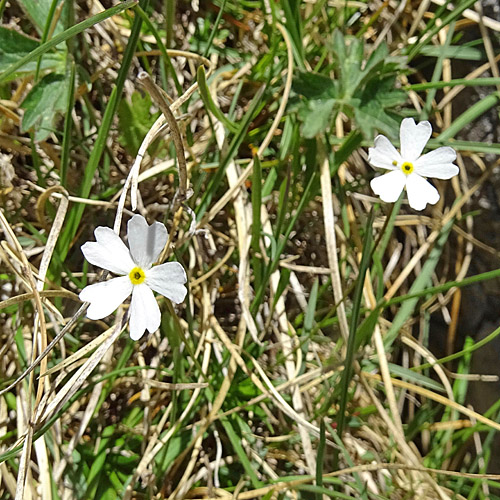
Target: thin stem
[48,349]
[157,96]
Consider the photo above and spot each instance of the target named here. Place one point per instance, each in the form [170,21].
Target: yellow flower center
[407,168]
[137,276]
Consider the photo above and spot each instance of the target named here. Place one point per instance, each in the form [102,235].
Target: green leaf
[315,111]
[135,120]
[371,117]
[14,46]
[43,103]
[373,110]
[380,66]
[350,67]
[176,444]
[38,11]
[316,116]
[244,389]
[378,56]
[339,47]
[369,94]
[314,85]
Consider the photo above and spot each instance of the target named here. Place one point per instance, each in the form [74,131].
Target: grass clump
[320,350]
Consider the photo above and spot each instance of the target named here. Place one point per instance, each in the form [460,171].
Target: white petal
[383,154]
[389,186]
[144,312]
[108,251]
[420,192]
[443,171]
[145,242]
[168,279]
[413,138]
[437,164]
[105,297]
[444,154]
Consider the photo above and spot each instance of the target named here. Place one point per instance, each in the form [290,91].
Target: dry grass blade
[439,399]
[474,16]
[80,353]
[156,443]
[259,493]
[39,326]
[23,297]
[331,243]
[46,352]
[156,129]
[435,234]
[81,376]
[220,204]
[175,133]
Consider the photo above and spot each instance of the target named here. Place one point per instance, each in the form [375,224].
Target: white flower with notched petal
[409,169]
[137,276]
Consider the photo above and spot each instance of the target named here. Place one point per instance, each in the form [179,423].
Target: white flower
[137,276]
[409,169]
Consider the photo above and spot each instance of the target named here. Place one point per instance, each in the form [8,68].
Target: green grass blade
[475,82]
[161,46]
[478,278]
[259,294]
[65,35]
[447,19]
[475,111]
[409,376]
[320,456]
[474,347]
[240,452]
[311,307]
[209,102]
[68,122]
[420,283]
[353,326]
[293,23]
[214,30]
[257,264]
[437,73]
[76,213]
[233,148]
[45,35]
[360,486]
